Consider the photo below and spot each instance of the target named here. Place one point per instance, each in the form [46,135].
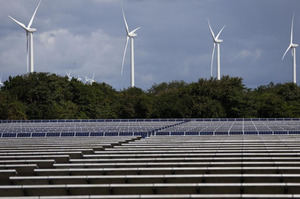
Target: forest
[48,96]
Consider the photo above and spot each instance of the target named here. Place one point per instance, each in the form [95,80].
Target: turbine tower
[130,35]
[1,83]
[29,36]
[293,47]
[217,42]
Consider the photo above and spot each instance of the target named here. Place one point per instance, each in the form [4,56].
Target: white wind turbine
[90,80]
[217,42]
[69,76]
[130,35]
[29,36]
[293,47]
[78,78]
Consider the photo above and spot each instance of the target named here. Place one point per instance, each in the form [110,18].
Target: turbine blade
[292,29]
[32,18]
[125,22]
[212,60]
[288,48]
[211,31]
[19,23]
[217,37]
[135,30]
[124,54]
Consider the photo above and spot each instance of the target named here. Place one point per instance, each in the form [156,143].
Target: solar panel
[147,127]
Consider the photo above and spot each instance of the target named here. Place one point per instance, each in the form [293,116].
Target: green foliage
[48,96]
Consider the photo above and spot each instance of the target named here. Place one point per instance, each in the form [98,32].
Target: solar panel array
[239,166]
[83,128]
[232,128]
[144,128]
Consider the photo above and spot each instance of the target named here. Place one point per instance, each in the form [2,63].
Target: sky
[174,43]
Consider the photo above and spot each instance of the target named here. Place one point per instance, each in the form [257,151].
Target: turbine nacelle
[133,33]
[294,45]
[218,41]
[31,30]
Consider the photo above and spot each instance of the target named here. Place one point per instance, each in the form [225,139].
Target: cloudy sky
[88,36]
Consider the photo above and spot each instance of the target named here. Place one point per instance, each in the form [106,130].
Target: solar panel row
[147,128]
[150,120]
[241,166]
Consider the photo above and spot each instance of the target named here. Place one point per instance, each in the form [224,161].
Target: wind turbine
[130,35]
[90,80]
[29,36]
[78,78]
[293,47]
[69,76]
[217,42]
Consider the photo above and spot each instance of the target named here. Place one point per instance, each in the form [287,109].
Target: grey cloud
[86,36]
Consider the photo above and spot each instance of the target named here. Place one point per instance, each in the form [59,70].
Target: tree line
[48,96]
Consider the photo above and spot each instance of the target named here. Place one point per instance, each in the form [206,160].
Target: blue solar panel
[42,128]
[38,134]
[142,134]
[96,134]
[280,132]
[221,133]
[250,133]
[191,133]
[23,135]
[265,132]
[53,134]
[111,134]
[126,133]
[9,135]
[294,132]
[67,134]
[206,133]
[162,133]
[177,133]
[82,134]
[236,133]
